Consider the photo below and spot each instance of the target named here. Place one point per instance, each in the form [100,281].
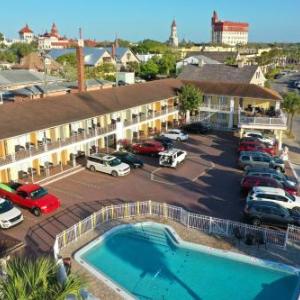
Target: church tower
[173,40]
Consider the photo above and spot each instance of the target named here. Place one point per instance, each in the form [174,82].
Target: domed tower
[173,40]
[54,31]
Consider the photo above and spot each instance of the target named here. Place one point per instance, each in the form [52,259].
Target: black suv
[197,128]
[165,141]
[269,213]
[129,159]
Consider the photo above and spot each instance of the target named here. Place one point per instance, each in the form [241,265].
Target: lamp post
[47,62]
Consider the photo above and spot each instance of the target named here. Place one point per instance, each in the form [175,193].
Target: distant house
[223,73]
[122,55]
[35,62]
[220,56]
[92,56]
[196,60]
[145,57]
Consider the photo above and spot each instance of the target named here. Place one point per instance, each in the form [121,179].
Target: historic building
[26,34]
[227,32]
[52,40]
[173,40]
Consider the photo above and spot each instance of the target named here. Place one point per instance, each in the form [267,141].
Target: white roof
[175,130]
[269,190]
[170,152]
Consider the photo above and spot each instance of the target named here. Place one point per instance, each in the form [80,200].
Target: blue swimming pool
[149,261]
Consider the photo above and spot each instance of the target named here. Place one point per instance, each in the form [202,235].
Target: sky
[135,20]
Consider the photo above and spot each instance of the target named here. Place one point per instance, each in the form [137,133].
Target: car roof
[175,130]
[255,153]
[265,203]
[153,142]
[170,152]
[103,156]
[253,131]
[29,187]
[262,170]
[260,178]
[269,190]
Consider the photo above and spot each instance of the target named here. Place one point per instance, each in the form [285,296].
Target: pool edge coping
[244,258]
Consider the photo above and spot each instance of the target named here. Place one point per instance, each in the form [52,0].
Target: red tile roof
[26,29]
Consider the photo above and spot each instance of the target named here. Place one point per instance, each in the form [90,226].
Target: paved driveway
[207,183]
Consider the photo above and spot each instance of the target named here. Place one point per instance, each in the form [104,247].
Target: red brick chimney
[80,68]
[113,50]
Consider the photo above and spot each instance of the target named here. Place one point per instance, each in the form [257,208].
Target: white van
[171,158]
[107,164]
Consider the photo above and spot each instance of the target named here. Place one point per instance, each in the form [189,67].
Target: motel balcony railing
[75,138]
[279,121]
[149,116]
[214,107]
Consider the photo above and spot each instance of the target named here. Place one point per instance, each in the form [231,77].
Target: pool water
[148,262]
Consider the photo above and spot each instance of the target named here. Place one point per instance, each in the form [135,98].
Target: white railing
[281,120]
[214,107]
[150,115]
[38,149]
[206,224]
[293,234]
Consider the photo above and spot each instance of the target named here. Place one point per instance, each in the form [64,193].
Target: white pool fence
[206,224]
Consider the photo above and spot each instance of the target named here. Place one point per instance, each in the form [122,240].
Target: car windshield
[5,206]
[115,162]
[39,193]
[130,157]
[291,197]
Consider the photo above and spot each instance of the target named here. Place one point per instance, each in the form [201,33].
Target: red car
[256,146]
[148,147]
[248,182]
[30,196]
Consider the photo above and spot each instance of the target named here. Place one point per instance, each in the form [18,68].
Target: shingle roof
[218,72]
[34,61]
[22,77]
[243,90]
[41,89]
[215,55]
[91,55]
[20,118]
[119,51]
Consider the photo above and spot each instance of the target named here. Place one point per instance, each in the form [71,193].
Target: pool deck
[103,292]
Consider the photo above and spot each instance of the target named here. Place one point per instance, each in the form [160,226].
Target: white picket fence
[206,224]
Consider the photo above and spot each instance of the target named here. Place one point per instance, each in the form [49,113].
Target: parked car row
[271,196]
[29,196]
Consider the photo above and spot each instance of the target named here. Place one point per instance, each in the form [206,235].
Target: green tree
[133,66]
[1,37]
[36,280]
[230,60]
[150,69]
[190,98]
[291,104]
[22,49]
[167,64]
[67,59]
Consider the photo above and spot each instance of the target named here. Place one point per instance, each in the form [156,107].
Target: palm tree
[291,104]
[36,280]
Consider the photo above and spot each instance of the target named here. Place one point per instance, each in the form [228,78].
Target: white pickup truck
[171,158]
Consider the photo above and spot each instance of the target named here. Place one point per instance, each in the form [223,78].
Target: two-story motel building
[47,133]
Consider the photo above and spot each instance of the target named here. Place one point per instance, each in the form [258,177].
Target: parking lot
[207,183]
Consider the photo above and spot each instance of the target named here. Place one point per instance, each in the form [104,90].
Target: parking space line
[210,166]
